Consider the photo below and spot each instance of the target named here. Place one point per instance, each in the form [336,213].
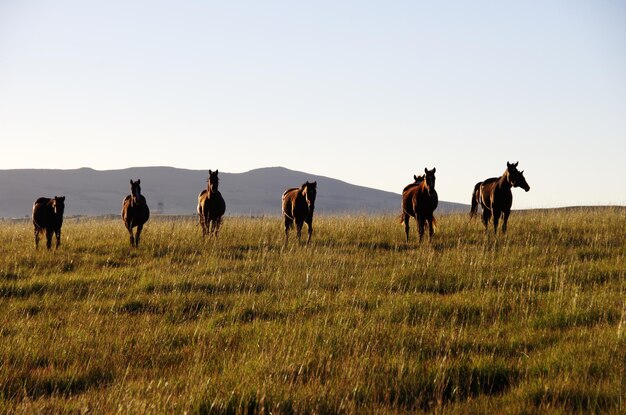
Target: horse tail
[401,217]
[475,196]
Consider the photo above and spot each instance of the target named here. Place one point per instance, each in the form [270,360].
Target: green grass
[358,321]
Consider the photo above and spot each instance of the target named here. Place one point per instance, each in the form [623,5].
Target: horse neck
[136,200]
[57,218]
[301,196]
[503,181]
[211,190]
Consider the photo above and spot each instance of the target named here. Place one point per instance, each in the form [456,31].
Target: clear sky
[369,92]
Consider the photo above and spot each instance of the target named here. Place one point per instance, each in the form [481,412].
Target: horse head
[418,179]
[309,191]
[135,190]
[516,177]
[213,181]
[429,179]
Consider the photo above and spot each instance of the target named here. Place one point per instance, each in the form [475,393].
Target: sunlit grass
[357,321]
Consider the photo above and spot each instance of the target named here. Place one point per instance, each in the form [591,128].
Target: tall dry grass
[357,321]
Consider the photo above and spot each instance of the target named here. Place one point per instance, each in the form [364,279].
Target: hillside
[256,192]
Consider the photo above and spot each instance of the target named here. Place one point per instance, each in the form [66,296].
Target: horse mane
[491,180]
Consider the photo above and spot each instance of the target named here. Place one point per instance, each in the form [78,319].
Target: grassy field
[359,321]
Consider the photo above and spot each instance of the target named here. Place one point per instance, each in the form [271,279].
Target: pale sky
[363,91]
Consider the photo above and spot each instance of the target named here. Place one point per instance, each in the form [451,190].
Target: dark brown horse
[495,197]
[298,207]
[419,200]
[211,206]
[48,217]
[135,212]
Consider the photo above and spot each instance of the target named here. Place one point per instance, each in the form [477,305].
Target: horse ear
[415,177]
[138,181]
[216,171]
[434,170]
[210,172]
[508,164]
[62,198]
[522,172]
[131,181]
[516,163]
[425,170]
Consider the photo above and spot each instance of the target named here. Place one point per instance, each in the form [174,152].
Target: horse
[419,200]
[495,197]
[135,211]
[298,205]
[48,217]
[211,206]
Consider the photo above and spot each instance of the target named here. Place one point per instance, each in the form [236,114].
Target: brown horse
[48,217]
[495,197]
[419,200]
[135,211]
[298,207]
[211,206]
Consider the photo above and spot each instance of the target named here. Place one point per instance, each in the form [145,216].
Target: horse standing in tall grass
[419,200]
[48,217]
[211,206]
[495,197]
[298,205]
[135,211]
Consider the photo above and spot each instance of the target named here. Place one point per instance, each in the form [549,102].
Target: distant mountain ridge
[174,191]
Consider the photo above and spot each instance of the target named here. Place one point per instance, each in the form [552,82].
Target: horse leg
[58,235]
[129,228]
[431,228]
[299,224]
[486,217]
[309,222]
[505,219]
[288,225]
[201,218]
[217,224]
[139,228]
[36,238]
[49,233]
[496,219]
[420,223]
[406,218]
[206,224]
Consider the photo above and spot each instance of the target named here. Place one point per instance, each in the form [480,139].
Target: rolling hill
[174,191]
